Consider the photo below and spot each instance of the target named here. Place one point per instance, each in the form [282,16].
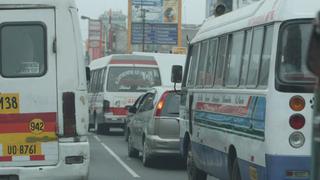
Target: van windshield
[132,79]
[294,40]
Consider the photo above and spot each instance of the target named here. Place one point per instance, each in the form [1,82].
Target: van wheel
[193,172]
[132,152]
[100,129]
[235,175]
[146,159]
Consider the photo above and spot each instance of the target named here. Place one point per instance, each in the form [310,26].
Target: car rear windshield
[292,53]
[132,79]
[171,106]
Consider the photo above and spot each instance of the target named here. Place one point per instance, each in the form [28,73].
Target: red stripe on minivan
[5,158]
[37,158]
[144,62]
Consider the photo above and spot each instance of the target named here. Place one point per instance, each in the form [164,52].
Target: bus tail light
[297,121]
[161,104]
[297,103]
[296,139]
[69,117]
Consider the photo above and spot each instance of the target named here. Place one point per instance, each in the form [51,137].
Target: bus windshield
[292,54]
[132,79]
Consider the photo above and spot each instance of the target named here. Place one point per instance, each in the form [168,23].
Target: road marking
[97,138]
[134,174]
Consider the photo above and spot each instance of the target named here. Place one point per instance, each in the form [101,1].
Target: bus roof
[123,59]
[261,12]
[16,4]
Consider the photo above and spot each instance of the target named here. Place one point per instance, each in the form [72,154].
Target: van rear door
[28,91]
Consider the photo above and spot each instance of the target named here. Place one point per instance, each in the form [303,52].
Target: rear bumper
[160,146]
[59,171]
[114,121]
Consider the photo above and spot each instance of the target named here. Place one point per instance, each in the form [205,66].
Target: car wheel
[235,175]
[193,172]
[146,159]
[132,152]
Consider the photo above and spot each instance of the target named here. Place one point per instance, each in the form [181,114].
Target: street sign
[155,33]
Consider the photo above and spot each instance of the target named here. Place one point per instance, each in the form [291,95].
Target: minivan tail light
[297,121]
[160,104]
[69,117]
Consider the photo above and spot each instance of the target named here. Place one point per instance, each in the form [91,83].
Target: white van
[117,81]
[43,97]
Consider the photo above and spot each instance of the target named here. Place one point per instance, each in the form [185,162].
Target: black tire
[126,134]
[193,172]
[146,158]
[132,152]
[107,129]
[235,174]
[100,129]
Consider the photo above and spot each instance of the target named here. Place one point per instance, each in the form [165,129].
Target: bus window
[221,58]
[293,53]
[202,63]
[192,67]
[234,60]
[246,58]
[266,57]
[211,63]
[257,42]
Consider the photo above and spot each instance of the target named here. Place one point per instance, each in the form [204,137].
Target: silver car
[153,129]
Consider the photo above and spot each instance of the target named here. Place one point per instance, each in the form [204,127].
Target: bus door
[28,92]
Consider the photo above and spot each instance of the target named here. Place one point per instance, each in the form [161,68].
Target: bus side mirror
[313,61]
[176,74]
[88,73]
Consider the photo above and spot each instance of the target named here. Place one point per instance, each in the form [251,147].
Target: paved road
[109,161]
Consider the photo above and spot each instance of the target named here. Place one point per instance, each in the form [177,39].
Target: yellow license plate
[9,103]
[21,149]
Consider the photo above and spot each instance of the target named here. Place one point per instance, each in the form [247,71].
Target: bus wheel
[235,175]
[193,172]
[132,152]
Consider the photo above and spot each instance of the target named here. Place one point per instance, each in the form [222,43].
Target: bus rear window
[132,79]
[294,39]
[23,50]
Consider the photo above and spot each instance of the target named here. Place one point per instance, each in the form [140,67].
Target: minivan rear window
[171,106]
[22,50]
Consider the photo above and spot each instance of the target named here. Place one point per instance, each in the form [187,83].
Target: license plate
[9,103]
[21,149]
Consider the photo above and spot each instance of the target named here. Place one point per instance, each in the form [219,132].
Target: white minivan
[43,96]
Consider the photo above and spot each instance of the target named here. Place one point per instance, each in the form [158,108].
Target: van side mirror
[88,73]
[176,74]
[313,61]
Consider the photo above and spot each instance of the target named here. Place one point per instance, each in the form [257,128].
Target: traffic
[237,98]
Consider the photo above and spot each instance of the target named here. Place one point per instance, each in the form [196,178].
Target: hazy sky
[193,10]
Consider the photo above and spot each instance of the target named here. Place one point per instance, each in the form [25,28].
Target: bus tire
[235,175]
[193,172]
[132,152]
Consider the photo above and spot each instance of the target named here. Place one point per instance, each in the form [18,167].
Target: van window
[193,64]
[132,79]
[23,50]
[211,63]
[255,57]
[234,60]
[266,57]
[202,63]
[246,58]
[221,59]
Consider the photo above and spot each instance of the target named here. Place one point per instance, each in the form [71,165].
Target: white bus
[116,82]
[43,96]
[247,94]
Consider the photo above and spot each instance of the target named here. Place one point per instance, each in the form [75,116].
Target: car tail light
[297,121]
[69,117]
[161,104]
[297,103]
